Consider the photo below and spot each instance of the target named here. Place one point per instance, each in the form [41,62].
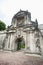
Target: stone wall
[2,37]
[7,40]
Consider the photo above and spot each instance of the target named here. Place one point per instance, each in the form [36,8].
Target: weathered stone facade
[22,31]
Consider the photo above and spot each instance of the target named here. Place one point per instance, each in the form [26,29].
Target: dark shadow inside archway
[20,43]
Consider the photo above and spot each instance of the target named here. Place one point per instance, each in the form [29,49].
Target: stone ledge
[33,53]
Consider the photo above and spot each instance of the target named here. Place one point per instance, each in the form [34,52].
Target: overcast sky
[10,7]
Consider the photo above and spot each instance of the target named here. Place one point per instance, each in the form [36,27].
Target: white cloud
[10,7]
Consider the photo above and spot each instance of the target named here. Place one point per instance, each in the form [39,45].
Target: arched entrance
[20,43]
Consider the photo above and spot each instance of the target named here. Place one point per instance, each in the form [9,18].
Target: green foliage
[2,25]
[22,46]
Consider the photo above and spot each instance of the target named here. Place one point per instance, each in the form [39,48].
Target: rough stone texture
[19,58]
[22,26]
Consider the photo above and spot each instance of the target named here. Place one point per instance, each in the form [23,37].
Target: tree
[2,25]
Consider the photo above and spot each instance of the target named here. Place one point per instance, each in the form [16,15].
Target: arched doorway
[20,43]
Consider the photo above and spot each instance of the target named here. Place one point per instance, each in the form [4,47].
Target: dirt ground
[19,58]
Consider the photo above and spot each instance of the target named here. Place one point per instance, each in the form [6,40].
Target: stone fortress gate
[22,32]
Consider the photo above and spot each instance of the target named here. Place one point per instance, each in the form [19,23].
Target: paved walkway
[19,58]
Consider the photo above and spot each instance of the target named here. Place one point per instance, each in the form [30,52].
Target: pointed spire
[36,22]
[20,10]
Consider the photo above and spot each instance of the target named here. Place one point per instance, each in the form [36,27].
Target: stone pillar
[12,41]
[15,43]
[7,42]
[32,44]
[41,44]
[28,40]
